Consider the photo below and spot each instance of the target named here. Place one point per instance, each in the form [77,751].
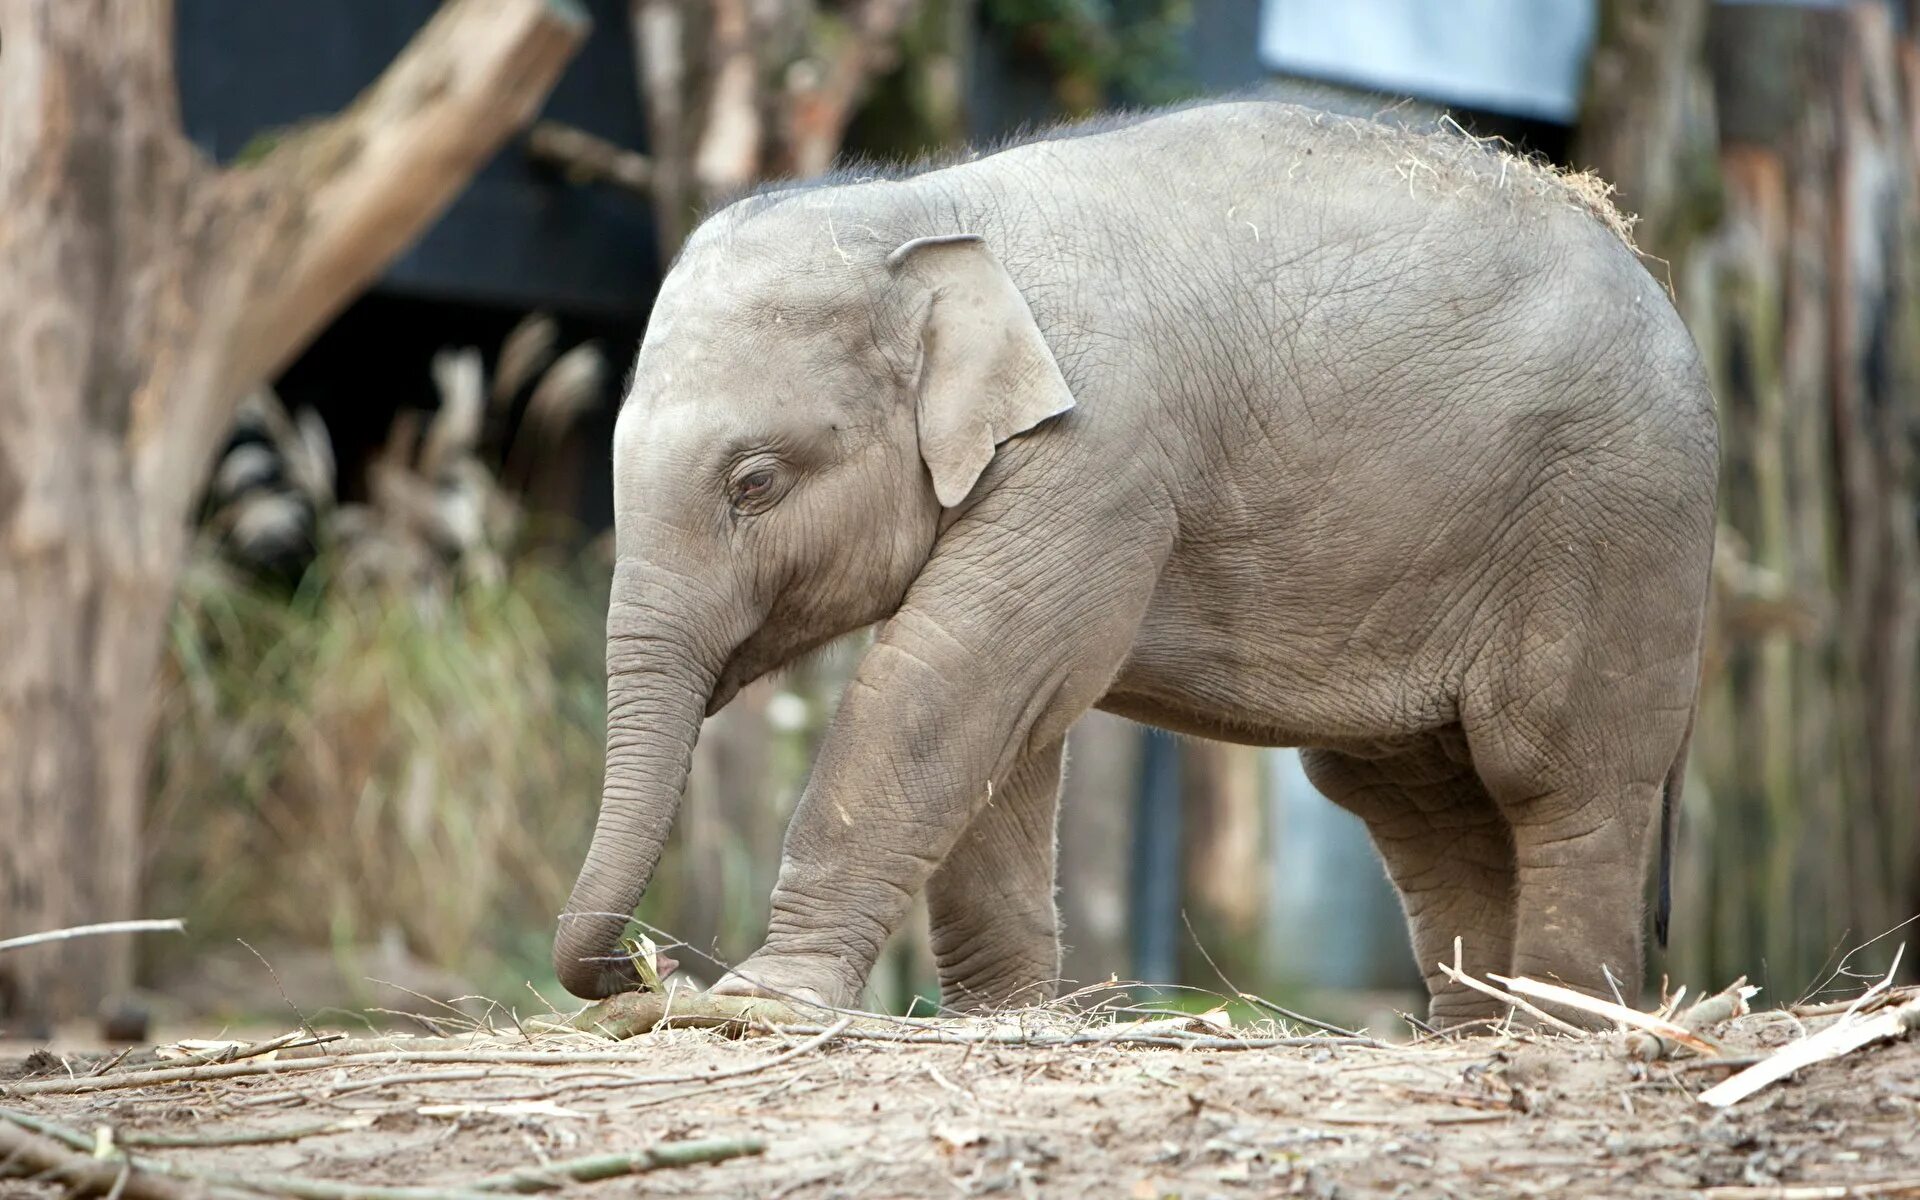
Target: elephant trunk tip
[591,971]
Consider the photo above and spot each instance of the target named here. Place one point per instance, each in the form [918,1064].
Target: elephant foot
[797,979]
[1458,1014]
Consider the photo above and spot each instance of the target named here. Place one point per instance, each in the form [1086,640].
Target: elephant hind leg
[1448,851]
[1584,827]
[996,934]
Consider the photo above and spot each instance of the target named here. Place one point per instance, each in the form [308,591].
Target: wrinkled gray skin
[1250,424]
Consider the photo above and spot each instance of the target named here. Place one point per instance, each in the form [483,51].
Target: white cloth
[1524,58]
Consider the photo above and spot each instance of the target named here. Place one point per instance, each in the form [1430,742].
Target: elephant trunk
[658,686]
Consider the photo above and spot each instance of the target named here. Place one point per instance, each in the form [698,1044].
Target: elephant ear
[985,373]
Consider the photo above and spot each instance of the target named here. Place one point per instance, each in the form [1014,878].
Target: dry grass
[358,761]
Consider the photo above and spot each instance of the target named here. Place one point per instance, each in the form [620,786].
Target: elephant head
[801,414]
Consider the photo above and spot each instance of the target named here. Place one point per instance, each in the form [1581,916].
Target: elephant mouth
[752,661]
[724,691]
[758,658]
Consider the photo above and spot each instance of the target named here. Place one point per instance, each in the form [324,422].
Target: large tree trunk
[141,290]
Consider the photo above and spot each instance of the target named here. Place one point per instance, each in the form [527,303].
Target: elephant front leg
[996,931]
[959,697]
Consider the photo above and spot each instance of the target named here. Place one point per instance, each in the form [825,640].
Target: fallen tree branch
[631,1013]
[43,1135]
[1898,995]
[611,1166]
[1836,1040]
[169,925]
[1724,1005]
[28,1154]
[201,1074]
[1112,1035]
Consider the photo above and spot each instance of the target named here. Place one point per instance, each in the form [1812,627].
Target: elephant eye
[752,486]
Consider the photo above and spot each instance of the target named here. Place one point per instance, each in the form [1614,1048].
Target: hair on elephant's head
[800,415]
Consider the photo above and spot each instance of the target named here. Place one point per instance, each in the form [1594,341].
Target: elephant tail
[1670,834]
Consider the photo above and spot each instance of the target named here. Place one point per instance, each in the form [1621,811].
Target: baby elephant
[1241,420]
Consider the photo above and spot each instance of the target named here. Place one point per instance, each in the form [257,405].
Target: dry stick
[286,1041]
[635,1012]
[170,925]
[263,1098]
[1885,984]
[274,975]
[835,1030]
[1727,1062]
[1553,993]
[1118,1035]
[610,1166]
[111,1063]
[533,1179]
[1458,975]
[1310,1022]
[1047,1041]
[405,1077]
[549,1178]
[256,1137]
[138,1079]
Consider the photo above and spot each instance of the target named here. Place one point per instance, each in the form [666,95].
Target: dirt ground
[1496,1115]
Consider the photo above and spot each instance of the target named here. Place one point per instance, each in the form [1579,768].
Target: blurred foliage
[1102,51]
[383,721]
[357,760]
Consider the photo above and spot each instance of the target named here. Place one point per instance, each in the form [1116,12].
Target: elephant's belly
[1365,708]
